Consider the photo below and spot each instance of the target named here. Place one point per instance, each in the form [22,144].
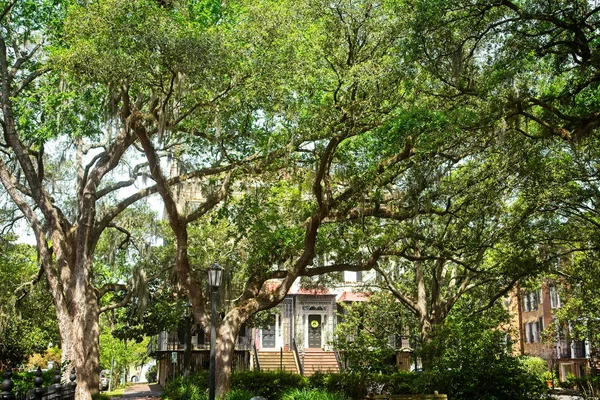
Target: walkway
[142,391]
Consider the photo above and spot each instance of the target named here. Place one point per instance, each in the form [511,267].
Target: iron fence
[55,391]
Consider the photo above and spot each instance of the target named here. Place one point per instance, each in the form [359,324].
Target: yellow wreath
[314,323]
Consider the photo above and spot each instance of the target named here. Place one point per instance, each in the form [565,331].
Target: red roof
[314,291]
[354,296]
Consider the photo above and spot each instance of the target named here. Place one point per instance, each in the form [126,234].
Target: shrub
[271,385]
[535,366]
[194,389]
[467,358]
[101,396]
[351,385]
[311,394]
[151,374]
[238,394]
[23,381]
[589,386]
[359,385]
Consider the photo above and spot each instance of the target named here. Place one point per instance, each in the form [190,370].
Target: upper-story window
[532,332]
[353,276]
[531,300]
[554,297]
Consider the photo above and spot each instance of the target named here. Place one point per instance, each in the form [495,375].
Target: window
[530,301]
[554,298]
[352,276]
[533,296]
[535,334]
[532,332]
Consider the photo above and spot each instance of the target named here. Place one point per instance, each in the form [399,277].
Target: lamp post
[215,275]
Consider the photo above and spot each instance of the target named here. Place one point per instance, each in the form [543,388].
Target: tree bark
[79,333]
[226,336]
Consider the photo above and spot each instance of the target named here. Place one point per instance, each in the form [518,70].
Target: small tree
[366,329]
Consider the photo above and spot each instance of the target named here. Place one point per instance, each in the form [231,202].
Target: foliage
[238,394]
[358,385]
[310,394]
[588,386]
[281,385]
[152,373]
[469,359]
[101,396]
[536,366]
[27,319]
[195,388]
[52,354]
[270,385]
[24,380]
[369,325]
[118,355]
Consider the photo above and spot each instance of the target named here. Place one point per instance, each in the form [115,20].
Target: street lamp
[215,275]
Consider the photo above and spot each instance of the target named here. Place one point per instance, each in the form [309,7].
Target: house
[540,334]
[298,338]
[168,348]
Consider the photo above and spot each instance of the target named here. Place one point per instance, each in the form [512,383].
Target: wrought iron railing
[338,358]
[256,361]
[166,341]
[297,356]
[56,391]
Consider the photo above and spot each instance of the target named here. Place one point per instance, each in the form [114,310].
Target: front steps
[320,360]
[276,361]
[314,360]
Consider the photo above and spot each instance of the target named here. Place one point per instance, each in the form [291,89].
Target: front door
[314,331]
[268,336]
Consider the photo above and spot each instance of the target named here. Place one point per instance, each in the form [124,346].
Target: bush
[535,366]
[271,385]
[101,396]
[468,359]
[359,385]
[311,394]
[194,389]
[24,380]
[589,386]
[152,373]
[238,394]
[351,385]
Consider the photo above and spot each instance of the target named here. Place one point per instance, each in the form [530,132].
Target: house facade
[298,337]
[538,333]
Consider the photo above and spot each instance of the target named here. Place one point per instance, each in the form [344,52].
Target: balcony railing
[169,341]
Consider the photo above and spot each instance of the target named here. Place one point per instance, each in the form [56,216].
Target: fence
[55,391]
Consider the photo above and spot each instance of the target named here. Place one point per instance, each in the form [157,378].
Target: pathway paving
[142,391]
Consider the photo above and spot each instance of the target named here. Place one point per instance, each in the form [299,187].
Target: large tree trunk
[79,333]
[226,336]
[224,358]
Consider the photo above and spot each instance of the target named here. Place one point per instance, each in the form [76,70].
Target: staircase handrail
[338,358]
[257,363]
[297,356]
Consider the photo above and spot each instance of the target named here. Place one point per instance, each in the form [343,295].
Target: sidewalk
[142,391]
